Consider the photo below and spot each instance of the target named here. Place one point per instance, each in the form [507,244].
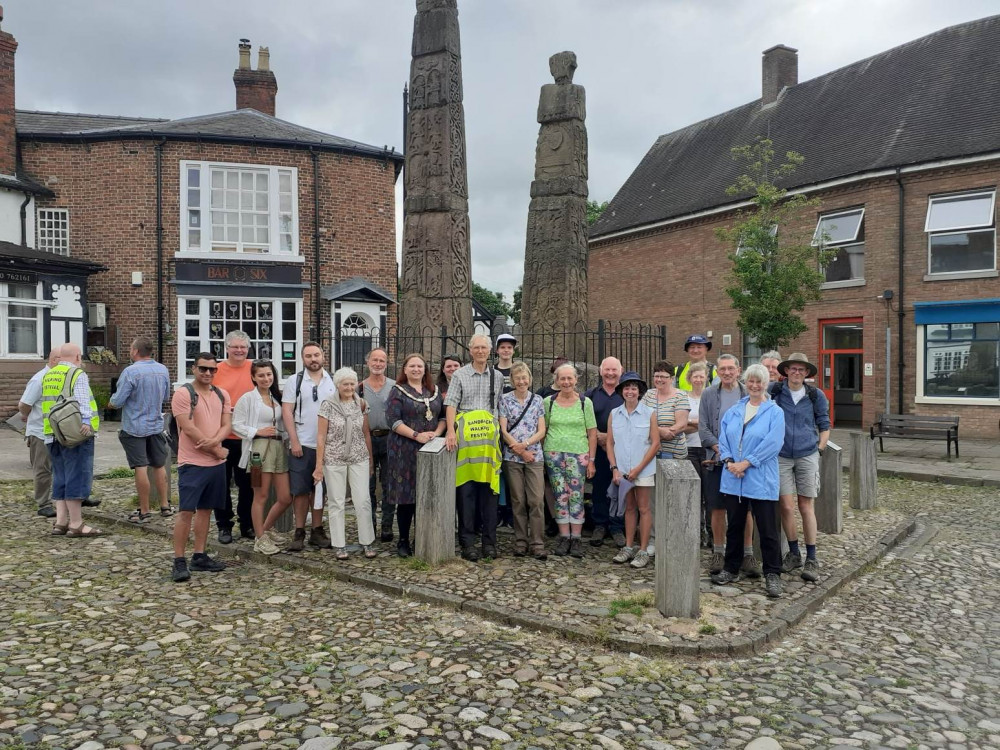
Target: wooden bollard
[829,510]
[864,472]
[678,535]
[435,522]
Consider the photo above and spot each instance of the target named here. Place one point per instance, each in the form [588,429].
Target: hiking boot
[751,567]
[225,536]
[562,548]
[641,559]
[772,585]
[248,534]
[265,546]
[386,535]
[619,537]
[598,537]
[205,564]
[790,562]
[724,577]
[47,511]
[403,548]
[180,571]
[319,539]
[470,553]
[810,572]
[91,502]
[298,541]
[576,547]
[540,555]
[717,564]
[490,551]
[625,554]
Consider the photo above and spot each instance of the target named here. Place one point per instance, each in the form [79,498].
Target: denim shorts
[300,471]
[202,487]
[72,470]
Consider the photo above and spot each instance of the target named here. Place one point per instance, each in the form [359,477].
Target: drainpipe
[24,220]
[899,299]
[316,306]
[159,248]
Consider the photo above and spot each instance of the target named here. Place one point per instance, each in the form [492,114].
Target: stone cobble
[99,649]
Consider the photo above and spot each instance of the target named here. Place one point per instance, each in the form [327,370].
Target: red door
[840,377]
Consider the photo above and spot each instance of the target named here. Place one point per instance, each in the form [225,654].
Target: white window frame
[920,398]
[273,250]
[817,241]
[990,226]
[59,246]
[39,304]
[183,372]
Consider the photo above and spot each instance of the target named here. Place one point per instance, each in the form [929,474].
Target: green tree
[515,308]
[492,301]
[594,211]
[776,270]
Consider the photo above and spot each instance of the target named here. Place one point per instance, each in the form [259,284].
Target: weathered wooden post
[435,522]
[678,534]
[864,472]
[154,495]
[829,510]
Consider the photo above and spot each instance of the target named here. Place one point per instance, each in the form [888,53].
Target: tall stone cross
[436,283]
[554,295]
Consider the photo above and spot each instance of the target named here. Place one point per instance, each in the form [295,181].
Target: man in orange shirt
[234,378]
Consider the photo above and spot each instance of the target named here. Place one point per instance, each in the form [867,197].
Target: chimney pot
[780,69]
[255,89]
[263,59]
[244,54]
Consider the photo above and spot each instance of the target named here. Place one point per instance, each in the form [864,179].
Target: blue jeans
[599,495]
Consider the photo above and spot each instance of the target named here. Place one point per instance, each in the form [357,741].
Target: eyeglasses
[797,369]
[205,368]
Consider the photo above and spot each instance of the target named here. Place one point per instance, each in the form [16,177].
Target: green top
[566,426]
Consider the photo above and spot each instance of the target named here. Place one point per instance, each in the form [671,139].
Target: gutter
[159,248]
[24,220]
[316,309]
[901,366]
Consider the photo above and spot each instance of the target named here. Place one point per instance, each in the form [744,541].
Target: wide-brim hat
[632,377]
[798,358]
[697,338]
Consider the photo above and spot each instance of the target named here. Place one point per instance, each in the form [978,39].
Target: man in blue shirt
[606,399]
[143,388]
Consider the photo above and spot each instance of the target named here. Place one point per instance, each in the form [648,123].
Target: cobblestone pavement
[99,649]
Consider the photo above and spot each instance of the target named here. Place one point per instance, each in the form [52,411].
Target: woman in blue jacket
[750,435]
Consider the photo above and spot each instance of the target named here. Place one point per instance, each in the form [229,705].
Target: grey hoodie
[709,413]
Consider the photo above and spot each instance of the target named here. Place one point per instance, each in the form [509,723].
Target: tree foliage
[515,308]
[594,211]
[776,270]
[492,301]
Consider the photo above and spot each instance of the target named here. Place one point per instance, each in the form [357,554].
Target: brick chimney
[8,135]
[255,89]
[780,69]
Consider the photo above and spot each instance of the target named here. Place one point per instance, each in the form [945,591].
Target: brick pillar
[8,135]
[255,89]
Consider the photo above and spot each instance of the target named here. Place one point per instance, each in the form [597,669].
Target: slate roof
[356,288]
[932,98]
[241,125]
[25,185]
[10,251]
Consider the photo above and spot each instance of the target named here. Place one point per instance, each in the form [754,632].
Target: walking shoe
[724,576]
[490,551]
[641,559]
[651,549]
[619,538]
[790,562]
[180,571]
[717,564]
[403,548]
[810,572]
[562,548]
[751,567]
[168,511]
[47,512]
[772,585]
[298,541]
[248,534]
[540,555]
[470,553]
[598,537]
[91,502]
[225,536]
[706,538]
[625,554]
[576,547]
[205,564]
[520,551]
[318,538]
[386,535]
[265,546]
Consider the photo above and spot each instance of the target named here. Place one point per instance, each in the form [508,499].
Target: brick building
[186,229]
[902,151]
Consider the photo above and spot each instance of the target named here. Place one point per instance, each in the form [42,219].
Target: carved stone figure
[436,285]
[554,295]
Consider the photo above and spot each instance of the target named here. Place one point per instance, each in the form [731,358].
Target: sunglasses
[206,368]
[315,393]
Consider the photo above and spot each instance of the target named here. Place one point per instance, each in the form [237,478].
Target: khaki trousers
[526,494]
[41,470]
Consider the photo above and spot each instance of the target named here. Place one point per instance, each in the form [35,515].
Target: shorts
[645,481]
[273,455]
[151,450]
[799,476]
[72,470]
[202,487]
[300,472]
[711,483]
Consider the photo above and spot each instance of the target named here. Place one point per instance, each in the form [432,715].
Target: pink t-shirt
[207,418]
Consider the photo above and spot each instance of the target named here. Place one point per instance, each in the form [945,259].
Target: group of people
[754,441]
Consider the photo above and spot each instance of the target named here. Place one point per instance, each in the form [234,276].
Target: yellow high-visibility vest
[478,449]
[52,387]
[681,373]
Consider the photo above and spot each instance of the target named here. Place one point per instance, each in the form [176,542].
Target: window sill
[244,257]
[842,284]
[961,275]
[957,401]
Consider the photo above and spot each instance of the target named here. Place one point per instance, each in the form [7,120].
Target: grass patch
[633,605]
[707,628]
[902,682]
[119,472]
[415,563]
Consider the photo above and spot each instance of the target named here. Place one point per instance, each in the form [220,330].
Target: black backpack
[812,391]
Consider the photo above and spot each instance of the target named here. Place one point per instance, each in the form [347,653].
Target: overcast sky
[649,67]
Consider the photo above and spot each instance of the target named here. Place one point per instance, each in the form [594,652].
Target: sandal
[167,511]
[59,530]
[341,553]
[79,531]
[137,516]
[369,552]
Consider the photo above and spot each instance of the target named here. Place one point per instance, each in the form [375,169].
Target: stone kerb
[435,531]
[678,531]
[829,508]
[864,472]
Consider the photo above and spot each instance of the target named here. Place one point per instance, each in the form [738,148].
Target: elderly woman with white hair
[750,436]
[344,442]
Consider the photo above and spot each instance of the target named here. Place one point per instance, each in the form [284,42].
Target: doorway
[840,376]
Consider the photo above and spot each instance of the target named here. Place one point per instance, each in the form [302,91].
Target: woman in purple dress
[415,413]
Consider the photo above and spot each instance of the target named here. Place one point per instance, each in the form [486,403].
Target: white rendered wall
[10,217]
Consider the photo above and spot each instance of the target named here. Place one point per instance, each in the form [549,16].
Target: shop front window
[962,360]
[21,320]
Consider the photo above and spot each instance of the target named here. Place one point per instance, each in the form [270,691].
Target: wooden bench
[914,427]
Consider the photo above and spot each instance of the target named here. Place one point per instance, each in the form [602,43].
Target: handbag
[257,460]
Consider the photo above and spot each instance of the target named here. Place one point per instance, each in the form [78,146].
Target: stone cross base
[864,472]
[678,535]
[435,522]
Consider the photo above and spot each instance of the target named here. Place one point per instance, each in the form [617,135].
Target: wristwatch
[614,468]
[728,461]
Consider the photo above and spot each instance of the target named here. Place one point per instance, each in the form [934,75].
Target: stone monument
[436,283]
[554,296]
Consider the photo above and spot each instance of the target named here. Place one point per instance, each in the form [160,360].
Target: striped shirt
[666,416]
[143,388]
[470,390]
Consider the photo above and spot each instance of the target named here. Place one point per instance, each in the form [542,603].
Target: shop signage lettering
[19,277]
[239,273]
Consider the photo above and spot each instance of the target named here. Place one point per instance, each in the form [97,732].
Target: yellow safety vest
[681,373]
[478,449]
[52,388]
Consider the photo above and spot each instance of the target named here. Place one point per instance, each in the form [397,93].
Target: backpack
[64,416]
[811,391]
[174,435]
